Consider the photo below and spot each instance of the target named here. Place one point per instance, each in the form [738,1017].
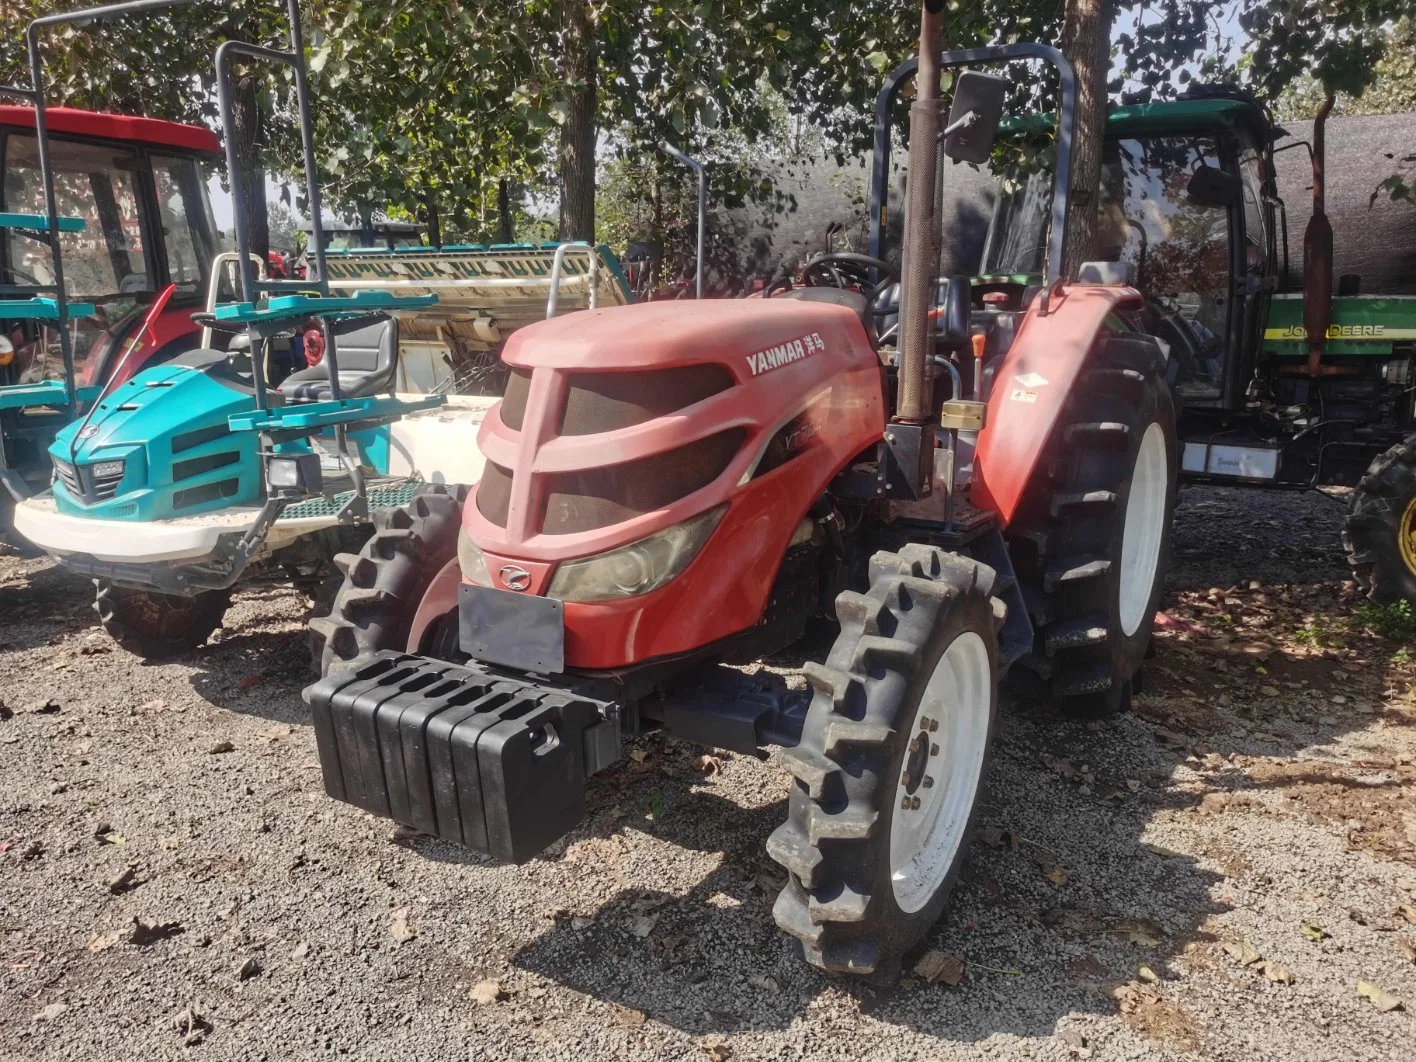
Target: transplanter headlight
[640,568]
[470,559]
[108,469]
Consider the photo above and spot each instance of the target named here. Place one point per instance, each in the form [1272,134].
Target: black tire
[1383,511]
[1067,540]
[386,581]
[158,626]
[839,902]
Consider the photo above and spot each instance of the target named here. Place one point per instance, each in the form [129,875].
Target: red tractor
[671,489]
[141,185]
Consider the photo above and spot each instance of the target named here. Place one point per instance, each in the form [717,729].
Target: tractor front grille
[598,497]
[74,478]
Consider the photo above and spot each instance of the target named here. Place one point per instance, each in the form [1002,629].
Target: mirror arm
[968,121]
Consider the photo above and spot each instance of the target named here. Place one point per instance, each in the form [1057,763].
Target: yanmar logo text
[785,353]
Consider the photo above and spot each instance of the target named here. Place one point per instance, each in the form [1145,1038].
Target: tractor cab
[142,189]
[1188,214]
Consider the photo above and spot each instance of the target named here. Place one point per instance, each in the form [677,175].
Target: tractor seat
[367,351]
[851,300]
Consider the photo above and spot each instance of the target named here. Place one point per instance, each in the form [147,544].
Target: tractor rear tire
[891,762]
[385,582]
[1091,541]
[157,626]
[1380,534]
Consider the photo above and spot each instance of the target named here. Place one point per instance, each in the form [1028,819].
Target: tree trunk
[577,142]
[434,222]
[1086,41]
[250,140]
[505,218]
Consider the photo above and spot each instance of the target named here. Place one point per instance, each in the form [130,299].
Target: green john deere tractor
[1189,213]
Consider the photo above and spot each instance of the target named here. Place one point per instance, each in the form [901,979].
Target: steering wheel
[850,272]
[21,276]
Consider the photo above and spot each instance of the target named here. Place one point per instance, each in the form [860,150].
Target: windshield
[97,183]
[189,231]
[1017,236]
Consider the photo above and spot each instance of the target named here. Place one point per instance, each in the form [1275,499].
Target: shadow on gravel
[48,604]
[1065,898]
[260,674]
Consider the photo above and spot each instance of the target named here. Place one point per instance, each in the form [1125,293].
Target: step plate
[492,762]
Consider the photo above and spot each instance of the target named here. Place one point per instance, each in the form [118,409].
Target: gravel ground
[174,884]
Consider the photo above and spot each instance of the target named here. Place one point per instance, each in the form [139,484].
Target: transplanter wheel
[1380,534]
[158,626]
[891,762]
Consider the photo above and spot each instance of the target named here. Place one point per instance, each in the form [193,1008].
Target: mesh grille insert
[513,407]
[494,493]
[598,497]
[608,401]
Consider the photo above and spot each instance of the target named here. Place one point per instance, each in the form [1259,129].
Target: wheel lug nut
[934,750]
[928,782]
[905,804]
[933,725]
[914,803]
[923,723]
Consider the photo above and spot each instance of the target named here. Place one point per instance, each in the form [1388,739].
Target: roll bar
[1066,132]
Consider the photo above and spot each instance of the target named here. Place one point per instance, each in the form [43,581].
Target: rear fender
[1031,389]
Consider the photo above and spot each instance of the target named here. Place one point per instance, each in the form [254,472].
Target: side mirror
[1215,187]
[974,116]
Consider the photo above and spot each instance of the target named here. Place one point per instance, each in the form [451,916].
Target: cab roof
[1171,115]
[153,132]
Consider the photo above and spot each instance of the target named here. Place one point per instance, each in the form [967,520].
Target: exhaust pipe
[1317,255]
[921,257]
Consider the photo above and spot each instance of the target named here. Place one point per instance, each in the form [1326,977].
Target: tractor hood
[1361,325]
[159,446]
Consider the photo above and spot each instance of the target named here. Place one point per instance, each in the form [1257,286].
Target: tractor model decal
[1368,331]
[785,353]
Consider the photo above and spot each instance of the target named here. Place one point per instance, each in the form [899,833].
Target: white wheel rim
[1145,527]
[947,746]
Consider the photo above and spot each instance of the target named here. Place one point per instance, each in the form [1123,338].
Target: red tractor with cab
[675,488]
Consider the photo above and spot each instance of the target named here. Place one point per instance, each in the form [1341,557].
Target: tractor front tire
[157,626]
[891,762]
[1091,540]
[1380,534]
[386,581]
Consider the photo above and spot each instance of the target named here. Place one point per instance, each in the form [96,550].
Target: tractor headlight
[109,469]
[473,564]
[640,568]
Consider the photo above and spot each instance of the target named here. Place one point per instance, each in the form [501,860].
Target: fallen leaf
[191,1026]
[936,966]
[398,927]
[1314,932]
[1407,912]
[764,983]
[998,837]
[1274,972]
[113,837]
[717,1049]
[221,748]
[1058,876]
[1163,852]
[629,1017]
[1382,1000]
[124,880]
[51,1012]
[143,934]
[638,755]
[1242,952]
[248,969]
[250,682]
[1407,948]
[1133,784]
[486,992]
[580,925]
[1146,974]
[302,950]
[641,925]
[104,941]
[151,707]
[708,765]
[1146,934]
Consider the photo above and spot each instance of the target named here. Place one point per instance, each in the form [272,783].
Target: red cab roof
[152,131]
